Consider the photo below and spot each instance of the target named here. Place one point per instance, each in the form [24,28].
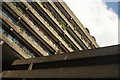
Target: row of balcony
[64,27]
[63,24]
[74,21]
[14,40]
[25,34]
[48,26]
[46,37]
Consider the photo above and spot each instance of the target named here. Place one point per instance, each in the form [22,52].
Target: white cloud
[101,21]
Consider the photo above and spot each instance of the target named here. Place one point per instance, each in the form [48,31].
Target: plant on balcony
[17,6]
[14,3]
[20,9]
[63,25]
[21,31]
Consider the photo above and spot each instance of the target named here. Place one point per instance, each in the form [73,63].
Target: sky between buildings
[101,18]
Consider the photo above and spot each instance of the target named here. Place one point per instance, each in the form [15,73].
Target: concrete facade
[42,29]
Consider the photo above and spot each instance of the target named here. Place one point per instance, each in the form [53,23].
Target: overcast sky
[99,18]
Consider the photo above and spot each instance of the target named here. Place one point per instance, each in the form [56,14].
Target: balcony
[46,25]
[61,22]
[16,45]
[38,31]
[26,35]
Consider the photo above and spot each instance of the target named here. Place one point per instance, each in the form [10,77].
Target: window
[16,41]
[6,15]
[10,37]
[26,49]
